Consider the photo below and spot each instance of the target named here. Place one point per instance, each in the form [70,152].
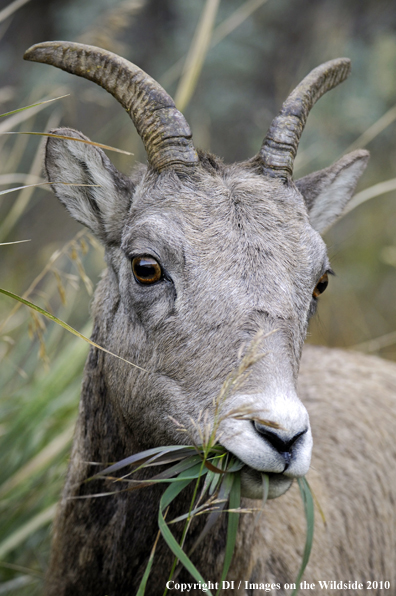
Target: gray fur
[240,256]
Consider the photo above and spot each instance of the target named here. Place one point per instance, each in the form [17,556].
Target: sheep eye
[321,286]
[146,270]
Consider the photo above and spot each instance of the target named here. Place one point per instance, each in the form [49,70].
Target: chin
[252,484]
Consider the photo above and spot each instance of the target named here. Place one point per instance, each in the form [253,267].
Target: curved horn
[162,128]
[280,145]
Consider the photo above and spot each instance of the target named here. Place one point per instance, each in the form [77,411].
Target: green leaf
[307,499]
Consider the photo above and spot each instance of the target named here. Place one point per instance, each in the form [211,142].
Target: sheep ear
[327,192]
[103,205]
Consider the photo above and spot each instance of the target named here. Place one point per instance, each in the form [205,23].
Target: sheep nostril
[283,447]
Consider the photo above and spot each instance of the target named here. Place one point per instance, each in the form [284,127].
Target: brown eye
[146,270]
[321,286]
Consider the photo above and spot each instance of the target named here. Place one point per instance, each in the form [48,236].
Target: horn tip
[340,65]
[44,51]
[30,52]
[36,52]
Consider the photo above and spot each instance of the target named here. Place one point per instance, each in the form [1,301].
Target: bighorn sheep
[201,256]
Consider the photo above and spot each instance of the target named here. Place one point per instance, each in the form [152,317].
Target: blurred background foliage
[232,79]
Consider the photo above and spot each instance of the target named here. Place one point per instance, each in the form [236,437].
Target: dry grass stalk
[196,55]
[236,19]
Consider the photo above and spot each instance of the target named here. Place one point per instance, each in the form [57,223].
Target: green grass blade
[169,495]
[178,552]
[136,484]
[169,458]
[33,105]
[193,474]
[307,499]
[173,490]
[66,138]
[182,466]
[216,478]
[143,456]
[235,466]
[143,583]
[233,520]
[65,325]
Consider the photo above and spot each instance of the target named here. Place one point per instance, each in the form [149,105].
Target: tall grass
[40,373]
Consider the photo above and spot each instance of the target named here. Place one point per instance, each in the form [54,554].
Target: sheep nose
[282,446]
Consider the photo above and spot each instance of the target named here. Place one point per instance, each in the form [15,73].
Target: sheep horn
[162,128]
[280,145]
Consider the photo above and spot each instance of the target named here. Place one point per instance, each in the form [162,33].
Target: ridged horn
[280,145]
[163,129]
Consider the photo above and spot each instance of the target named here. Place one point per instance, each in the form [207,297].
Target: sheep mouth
[252,485]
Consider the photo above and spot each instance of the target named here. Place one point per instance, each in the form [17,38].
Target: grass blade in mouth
[147,457]
[224,494]
[165,476]
[307,499]
[222,476]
